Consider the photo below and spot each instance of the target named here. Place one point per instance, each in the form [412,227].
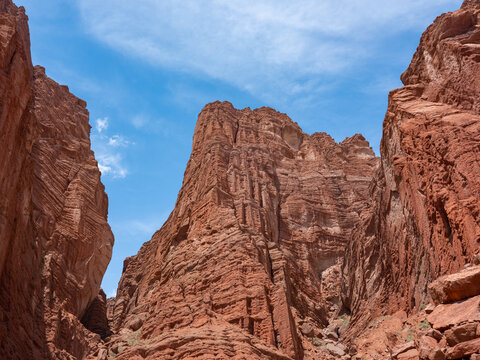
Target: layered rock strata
[260,223]
[252,262]
[424,219]
[55,240]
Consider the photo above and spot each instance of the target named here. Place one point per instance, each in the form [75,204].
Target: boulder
[307,329]
[402,348]
[429,349]
[446,316]
[411,354]
[461,333]
[456,286]
[335,350]
[464,349]
[437,335]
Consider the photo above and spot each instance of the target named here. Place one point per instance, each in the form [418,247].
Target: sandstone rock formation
[281,245]
[55,241]
[449,330]
[96,318]
[250,244]
[424,219]
[450,288]
[263,215]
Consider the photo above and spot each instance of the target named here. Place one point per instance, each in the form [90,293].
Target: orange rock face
[423,221]
[274,234]
[264,211]
[450,288]
[55,241]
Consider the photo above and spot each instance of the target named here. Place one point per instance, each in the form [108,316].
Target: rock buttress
[56,242]
[263,212]
[424,219]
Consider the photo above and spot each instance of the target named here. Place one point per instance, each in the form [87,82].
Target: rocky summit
[254,244]
[281,245]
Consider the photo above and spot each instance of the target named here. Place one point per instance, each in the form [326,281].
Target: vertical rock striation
[274,232]
[263,212]
[424,218]
[56,243]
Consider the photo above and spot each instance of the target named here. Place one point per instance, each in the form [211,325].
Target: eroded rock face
[454,287]
[423,221]
[265,210]
[55,240]
[95,317]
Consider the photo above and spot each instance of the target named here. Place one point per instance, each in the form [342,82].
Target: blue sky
[146,68]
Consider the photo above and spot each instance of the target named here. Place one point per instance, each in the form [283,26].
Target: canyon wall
[424,217]
[55,240]
[252,248]
[275,233]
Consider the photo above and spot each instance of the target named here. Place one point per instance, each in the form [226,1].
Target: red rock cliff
[424,220]
[55,240]
[263,212]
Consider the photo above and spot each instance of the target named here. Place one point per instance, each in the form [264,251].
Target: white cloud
[109,150]
[111,164]
[118,141]
[262,46]
[101,124]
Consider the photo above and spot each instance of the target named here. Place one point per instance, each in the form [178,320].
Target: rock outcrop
[259,227]
[281,245]
[55,241]
[96,318]
[448,330]
[260,224]
[424,219]
[450,288]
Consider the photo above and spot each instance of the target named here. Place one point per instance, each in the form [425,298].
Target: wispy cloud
[108,150]
[140,120]
[118,141]
[262,46]
[101,124]
[111,164]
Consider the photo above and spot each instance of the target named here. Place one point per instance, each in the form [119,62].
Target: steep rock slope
[55,240]
[264,211]
[424,220]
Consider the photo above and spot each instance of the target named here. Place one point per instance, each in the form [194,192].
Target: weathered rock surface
[424,220]
[461,333]
[428,348]
[446,316]
[464,349]
[55,241]
[456,286]
[450,331]
[252,262]
[265,210]
[95,317]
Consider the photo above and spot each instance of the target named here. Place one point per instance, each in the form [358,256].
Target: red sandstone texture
[450,330]
[251,238]
[424,219]
[259,251]
[55,241]
[260,224]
